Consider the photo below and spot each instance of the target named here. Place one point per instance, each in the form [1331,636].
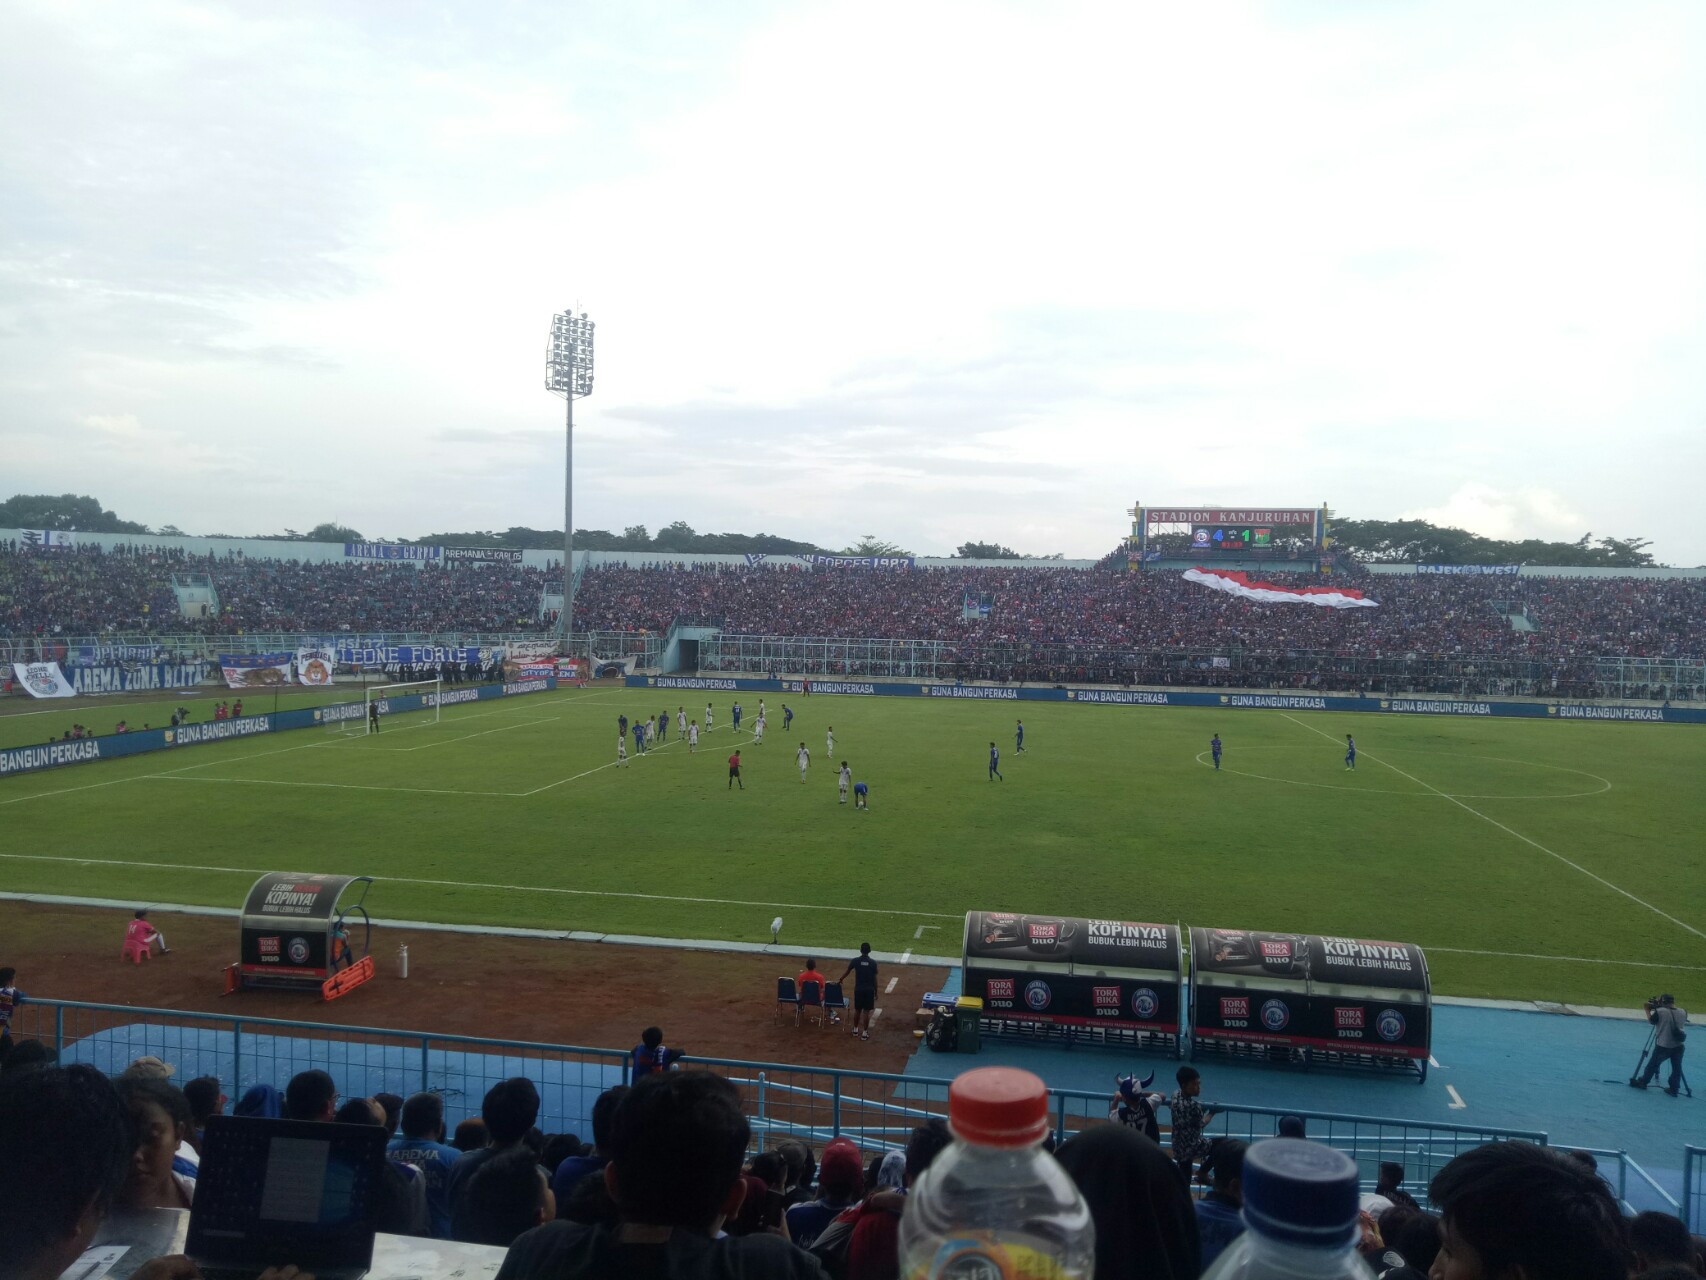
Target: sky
[938,273]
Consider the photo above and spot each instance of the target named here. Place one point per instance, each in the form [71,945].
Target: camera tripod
[1635,1080]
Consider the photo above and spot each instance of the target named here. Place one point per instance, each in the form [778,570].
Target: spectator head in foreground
[393,1104]
[65,1147]
[470,1134]
[1659,1239]
[205,1098]
[509,1110]
[507,1195]
[1292,1127]
[1516,1211]
[423,1117]
[159,1123]
[310,1095]
[1145,1226]
[676,1150]
[261,1101]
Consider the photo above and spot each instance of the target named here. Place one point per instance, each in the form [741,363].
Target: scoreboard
[1236,538]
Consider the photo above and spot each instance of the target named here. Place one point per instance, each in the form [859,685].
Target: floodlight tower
[568,373]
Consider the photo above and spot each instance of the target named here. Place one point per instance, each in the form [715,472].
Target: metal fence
[1468,676]
[815,1104]
[1694,1188]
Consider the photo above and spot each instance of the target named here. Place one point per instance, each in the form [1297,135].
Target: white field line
[1434,1063]
[507,888]
[340,786]
[893,983]
[1511,831]
[1457,1103]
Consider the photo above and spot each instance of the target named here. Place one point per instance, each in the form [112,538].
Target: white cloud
[1508,513]
[958,270]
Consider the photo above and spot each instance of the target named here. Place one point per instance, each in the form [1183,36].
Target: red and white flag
[1239,584]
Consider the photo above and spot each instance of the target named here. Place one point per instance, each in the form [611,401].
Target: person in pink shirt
[144,934]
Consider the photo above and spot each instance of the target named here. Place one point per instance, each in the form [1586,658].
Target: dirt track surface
[712,1004]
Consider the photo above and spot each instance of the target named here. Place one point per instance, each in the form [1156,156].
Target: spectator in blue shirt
[650,1054]
[421,1144]
[1220,1214]
[574,1168]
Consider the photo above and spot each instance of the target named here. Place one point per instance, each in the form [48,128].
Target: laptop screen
[272,1192]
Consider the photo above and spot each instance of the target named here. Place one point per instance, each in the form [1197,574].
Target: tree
[871,545]
[676,536]
[635,538]
[986,551]
[329,532]
[62,511]
[1418,542]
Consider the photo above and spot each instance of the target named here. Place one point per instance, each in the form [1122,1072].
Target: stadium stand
[1537,636]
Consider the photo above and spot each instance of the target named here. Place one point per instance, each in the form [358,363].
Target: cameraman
[1668,1037]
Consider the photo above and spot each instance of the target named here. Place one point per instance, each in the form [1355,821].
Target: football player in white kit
[805,759]
[693,737]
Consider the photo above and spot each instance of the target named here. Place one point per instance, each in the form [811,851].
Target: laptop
[278,1192]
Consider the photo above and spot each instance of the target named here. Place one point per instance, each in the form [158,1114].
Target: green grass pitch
[1532,859]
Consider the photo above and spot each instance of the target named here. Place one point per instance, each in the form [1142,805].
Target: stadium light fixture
[568,373]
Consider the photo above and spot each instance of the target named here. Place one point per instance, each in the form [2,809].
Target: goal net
[403,706]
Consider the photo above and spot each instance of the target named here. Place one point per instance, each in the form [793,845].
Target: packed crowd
[669,1186]
[87,592]
[1431,633]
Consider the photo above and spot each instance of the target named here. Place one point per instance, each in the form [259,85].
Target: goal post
[420,699]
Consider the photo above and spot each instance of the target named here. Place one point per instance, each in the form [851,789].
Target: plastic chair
[811,997]
[787,994]
[834,1002]
[135,950]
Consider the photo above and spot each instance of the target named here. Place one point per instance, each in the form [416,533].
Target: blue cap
[1300,1191]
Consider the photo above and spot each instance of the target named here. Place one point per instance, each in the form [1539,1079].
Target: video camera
[1665,999]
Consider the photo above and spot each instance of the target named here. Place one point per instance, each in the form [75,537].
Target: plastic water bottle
[1300,1216]
[995,1205]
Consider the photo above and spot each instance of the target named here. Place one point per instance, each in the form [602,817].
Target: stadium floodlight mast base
[568,373]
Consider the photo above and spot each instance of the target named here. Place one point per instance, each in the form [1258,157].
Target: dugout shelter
[1075,978]
[299,932]
[1307,998]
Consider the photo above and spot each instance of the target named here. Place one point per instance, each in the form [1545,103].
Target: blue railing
[1694,1188]
[1637,1190]
[876,1109]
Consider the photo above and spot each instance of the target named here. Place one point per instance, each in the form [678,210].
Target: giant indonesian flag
[1239,584]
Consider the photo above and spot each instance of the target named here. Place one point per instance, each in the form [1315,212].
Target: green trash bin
[968,1011]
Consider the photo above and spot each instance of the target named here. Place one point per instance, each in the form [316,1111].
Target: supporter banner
[390,551]
[756,558]
[98,655]
[49,538]
[859,562]
[314,666]
[482,555]
[531,649]
[1504,570]
[257,670]
[1239,584]
[133,677]
[42,680]
[412,655]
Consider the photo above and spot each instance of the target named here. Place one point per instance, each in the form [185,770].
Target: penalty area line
[1512,831]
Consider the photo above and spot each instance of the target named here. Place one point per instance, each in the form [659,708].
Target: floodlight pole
[568,373]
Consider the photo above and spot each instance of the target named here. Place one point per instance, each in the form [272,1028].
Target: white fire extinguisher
[403,961]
